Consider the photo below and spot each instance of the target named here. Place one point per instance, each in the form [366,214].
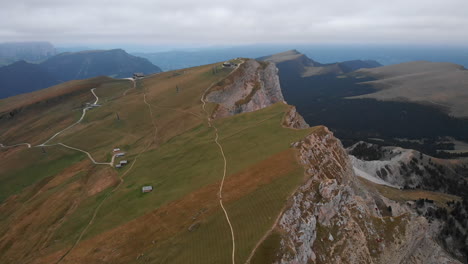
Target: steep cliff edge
[293,119]
[333,218]
[253,86]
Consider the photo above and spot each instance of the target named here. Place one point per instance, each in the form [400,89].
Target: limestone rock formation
[255,85]
[333,218]
[293,119]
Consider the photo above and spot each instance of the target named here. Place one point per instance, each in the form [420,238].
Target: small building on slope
[147,189]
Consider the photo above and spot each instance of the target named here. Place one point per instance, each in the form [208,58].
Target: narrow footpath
[98,208]
[220,193]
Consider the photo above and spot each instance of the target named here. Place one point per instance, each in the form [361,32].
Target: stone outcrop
[332,218]
[293,119]
[253,86]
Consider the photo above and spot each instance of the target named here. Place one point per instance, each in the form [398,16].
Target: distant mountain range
[386,55]
[293,59]
[421,100]
[23,77]
[86,64]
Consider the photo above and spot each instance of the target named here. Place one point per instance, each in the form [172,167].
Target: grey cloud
[241,21]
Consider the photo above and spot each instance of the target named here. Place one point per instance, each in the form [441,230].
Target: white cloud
[229,22]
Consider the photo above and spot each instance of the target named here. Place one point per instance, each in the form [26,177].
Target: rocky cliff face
[332,218]
[254,85]
[293,119]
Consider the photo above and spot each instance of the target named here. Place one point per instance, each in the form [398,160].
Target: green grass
[403,196]
[266,252]
[251,216]
[184,161]
[254,214]
[246,141]
[70,230]
[191,160]
[39,167]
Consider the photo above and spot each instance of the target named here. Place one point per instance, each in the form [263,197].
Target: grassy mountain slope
[245,171]
[170,147]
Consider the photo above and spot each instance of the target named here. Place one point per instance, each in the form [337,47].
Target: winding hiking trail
[98,208]
[220,193]
[74,124]
[111,163]
[134,85]
[216,140]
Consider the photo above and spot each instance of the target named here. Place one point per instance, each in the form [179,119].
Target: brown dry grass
[119,246]
[402,196]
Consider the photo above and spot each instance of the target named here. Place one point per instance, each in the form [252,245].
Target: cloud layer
[235,22]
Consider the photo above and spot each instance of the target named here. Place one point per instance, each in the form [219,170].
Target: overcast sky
[234,22]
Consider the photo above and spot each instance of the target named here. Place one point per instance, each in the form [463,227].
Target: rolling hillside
[237,177]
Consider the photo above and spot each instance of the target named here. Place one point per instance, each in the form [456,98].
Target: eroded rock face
[293,119]
[333,218]
[252,87]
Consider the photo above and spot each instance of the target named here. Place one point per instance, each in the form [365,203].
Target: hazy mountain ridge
[85,64]
[308,67]
[384,54]
[23,77]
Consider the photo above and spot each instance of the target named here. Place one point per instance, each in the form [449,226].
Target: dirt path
[74,124]
[98,208]
[134,85]
[220,193]
[20,144]
[111,163]
[89,155]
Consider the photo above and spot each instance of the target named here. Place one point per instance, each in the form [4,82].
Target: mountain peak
[284,56]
